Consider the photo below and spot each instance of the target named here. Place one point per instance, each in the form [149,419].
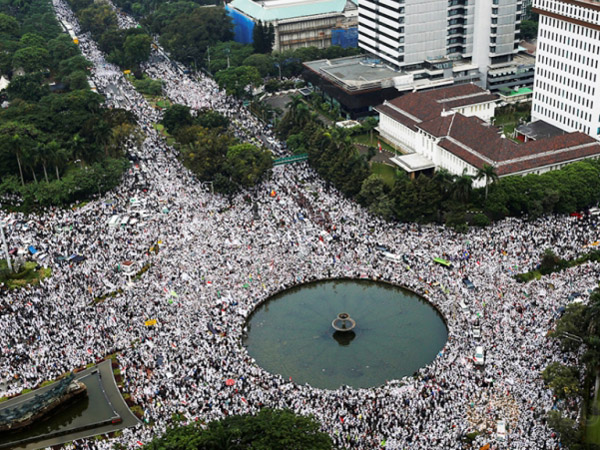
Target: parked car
[479,357]
[501,430]
[468,283]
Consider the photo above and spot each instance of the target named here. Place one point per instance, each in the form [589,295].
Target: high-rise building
[429,34]
[567,78]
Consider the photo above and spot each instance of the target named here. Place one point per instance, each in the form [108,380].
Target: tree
[28,87]
[137,48]
[61,48]
[187,36]
[563,380]
[31,59]
[374,194]
[263,63]
[8,25]
[97,18]
[462,187]
[550,261]
[489,174]
[32,40]
[56,155]
[566,428]
[77,80]
[235,80]
[205,153]
[177,116]
[528,30]
[267,430]
[444,181]
[263,37]
[209,118]
[20,139]
[76,63]
[248,164]
[258,37]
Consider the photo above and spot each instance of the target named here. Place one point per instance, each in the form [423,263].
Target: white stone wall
[567,71]
[400,135]
[485,111]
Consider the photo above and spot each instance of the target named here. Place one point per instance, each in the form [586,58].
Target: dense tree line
[188,29]
[577,331]
[269,65]
[213,154]
[263,37]
[268,430]
[57,143]
[443,197]
[143,8]
[126,48]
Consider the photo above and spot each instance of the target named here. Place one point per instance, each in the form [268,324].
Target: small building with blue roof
[298,23]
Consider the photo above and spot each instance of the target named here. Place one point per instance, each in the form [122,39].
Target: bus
[442,262]
[391,257]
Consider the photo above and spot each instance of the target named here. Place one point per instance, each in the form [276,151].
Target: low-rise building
[359,83]
[298,23]
[449,127]
[399,118]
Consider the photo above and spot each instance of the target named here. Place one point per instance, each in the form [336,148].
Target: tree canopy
[60,145]
[268,430]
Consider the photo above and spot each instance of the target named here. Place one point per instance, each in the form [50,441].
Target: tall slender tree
[489,173]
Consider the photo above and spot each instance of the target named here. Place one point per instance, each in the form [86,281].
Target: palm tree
[44,156]
[462,187]
[489,173]
[292,106]
[57,156]
[18,151]
[78,146]
[32,157]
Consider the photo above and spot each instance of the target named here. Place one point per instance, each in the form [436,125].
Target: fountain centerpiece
[343,323]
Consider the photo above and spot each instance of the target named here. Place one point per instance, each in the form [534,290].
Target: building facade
[567,77]
[448,128]
[410,33]
[298,23]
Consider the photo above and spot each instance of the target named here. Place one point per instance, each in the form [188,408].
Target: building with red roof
[449,128]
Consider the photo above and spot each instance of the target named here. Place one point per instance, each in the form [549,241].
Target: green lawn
[365,139]
[30,273]
[388,173]
[508,116]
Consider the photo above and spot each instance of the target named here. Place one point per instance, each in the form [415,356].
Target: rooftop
[413,162]
[478,143]
[539,130]
[270,10]
[356,72]
[421,107]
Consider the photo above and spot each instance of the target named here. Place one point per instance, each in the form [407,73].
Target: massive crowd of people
[217,261]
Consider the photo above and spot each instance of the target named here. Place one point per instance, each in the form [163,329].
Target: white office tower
[411,33]
[567,78]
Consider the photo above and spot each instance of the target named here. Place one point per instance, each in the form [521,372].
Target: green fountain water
[396,333]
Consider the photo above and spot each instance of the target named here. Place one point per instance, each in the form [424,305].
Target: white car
[501,430]
[479,357]
[476,332]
